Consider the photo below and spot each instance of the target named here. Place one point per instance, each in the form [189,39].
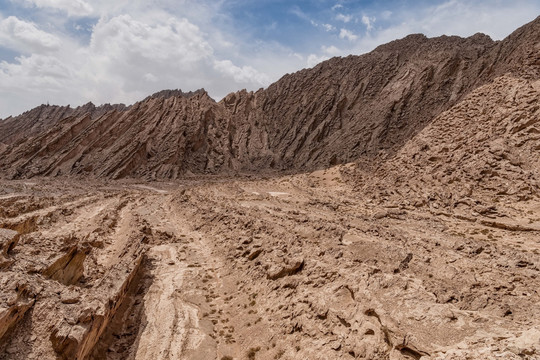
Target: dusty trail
[173,328]
[289,268]
[172,324]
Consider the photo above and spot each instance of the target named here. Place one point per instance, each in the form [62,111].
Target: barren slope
[480,154]
[341,110]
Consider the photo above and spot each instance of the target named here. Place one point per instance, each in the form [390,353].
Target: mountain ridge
[341,110]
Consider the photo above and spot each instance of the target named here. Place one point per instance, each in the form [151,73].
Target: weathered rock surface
[41,118]
[8,240]
[16,298]
[477,157]
[292,267]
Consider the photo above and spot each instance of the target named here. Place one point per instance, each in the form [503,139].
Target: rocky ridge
[41,118]
[483,150]
[342,110]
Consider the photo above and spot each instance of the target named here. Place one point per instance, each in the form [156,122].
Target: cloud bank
[75,51]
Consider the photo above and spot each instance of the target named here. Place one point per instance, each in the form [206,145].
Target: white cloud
[368,21]
[327,53]
[174,51]
[126,59]
[71,7]
[331,50]
[25,37]
[337,6]
[328,27]
[125,37]
[347,34]
[245,74]
[124,50]
[313,59]
[35,71]
[344,18]
[34,80]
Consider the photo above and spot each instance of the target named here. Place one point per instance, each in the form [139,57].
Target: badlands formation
[383,206]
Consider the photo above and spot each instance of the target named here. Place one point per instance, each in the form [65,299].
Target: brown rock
[290,268]
[8,240]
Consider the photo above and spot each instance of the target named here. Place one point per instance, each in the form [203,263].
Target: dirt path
[172,324]
[167,302]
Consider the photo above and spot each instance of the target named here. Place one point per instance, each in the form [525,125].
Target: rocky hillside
[483,151]
[43,117]
[343,109]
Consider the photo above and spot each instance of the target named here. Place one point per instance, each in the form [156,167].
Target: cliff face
[351,107]
[41,118]
[344,109]
[482,151]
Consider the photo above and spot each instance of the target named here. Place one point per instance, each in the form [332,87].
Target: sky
[120,51]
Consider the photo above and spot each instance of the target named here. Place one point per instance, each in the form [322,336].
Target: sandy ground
[294,267]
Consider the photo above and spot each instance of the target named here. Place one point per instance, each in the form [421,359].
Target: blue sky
[75,51]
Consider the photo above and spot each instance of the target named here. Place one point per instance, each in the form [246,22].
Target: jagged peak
[408,40]
[165,94]
[233,96]
[479,36]
[41,107]
[413,41]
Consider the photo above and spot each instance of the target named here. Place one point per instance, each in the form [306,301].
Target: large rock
[8,240]
[16,299]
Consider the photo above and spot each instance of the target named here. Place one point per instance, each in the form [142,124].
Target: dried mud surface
[291,267]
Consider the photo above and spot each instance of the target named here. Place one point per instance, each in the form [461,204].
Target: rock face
[343,109]
[43,117]
[8,240]
[482,150]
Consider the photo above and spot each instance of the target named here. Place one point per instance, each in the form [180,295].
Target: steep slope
[41,118]
[519,53]
[350,107]
[342,110]
[480,156]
